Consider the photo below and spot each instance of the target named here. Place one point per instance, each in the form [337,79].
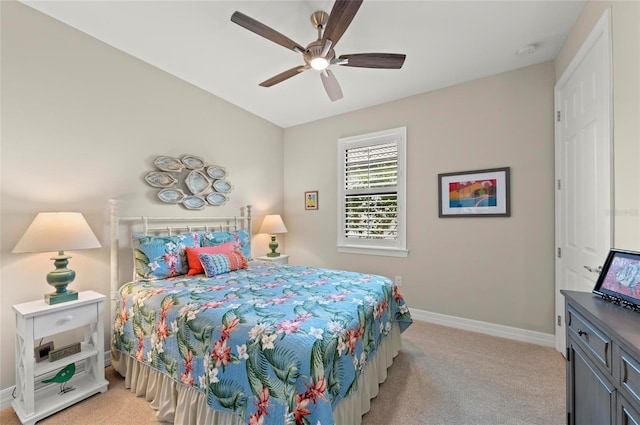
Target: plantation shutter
[371,192]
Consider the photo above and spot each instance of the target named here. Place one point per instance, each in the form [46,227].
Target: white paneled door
[583,97]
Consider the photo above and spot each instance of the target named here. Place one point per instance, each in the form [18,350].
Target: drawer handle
[66,319]
[581,332]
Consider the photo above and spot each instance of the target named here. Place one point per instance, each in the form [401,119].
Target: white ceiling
[446,42]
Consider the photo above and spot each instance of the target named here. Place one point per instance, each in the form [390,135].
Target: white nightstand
[37,319]
[282,259]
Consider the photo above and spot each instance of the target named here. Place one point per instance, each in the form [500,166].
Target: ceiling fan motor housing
[319,19]
[314,50]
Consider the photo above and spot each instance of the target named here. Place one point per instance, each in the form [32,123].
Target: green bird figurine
[62,377]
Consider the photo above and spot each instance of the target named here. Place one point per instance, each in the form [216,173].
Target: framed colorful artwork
[311,200]
[619,279]
[479,193]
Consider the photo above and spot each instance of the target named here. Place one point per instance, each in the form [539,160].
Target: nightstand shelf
[36,320]
[86,351]
[49,401]
[282,259]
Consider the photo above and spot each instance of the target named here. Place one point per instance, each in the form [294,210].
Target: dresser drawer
[630,376]
[627,415]
[64,320]
[594,342]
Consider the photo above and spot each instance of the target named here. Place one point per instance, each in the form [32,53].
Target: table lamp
[273,224]
[58,231]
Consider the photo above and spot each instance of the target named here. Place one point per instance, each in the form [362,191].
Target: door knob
[592,270]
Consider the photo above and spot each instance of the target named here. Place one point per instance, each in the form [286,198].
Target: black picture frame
[619,279]
[478,193]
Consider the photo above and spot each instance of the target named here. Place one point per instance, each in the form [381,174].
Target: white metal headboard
[165,226]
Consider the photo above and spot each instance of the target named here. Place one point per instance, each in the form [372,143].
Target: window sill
[368,250]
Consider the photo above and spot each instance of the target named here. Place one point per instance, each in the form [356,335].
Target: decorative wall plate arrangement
[189,181]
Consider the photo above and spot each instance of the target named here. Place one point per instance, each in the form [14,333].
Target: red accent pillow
[195,266]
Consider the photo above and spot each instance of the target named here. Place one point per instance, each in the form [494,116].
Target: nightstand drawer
[60,321]
[594,342]
[630,376]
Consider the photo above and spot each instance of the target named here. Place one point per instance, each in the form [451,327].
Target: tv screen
[620,278]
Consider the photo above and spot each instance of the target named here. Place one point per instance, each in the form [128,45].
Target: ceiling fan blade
[341,15]
[331,85]
[284,75]
[265,31]
[374,60]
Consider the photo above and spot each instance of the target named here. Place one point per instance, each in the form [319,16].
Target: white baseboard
[523,335]
[6,395]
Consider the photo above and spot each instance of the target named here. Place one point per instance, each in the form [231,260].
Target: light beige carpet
[442,376]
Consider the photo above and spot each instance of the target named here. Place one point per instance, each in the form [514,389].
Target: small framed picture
[479,193]
[42,351]
[311,200]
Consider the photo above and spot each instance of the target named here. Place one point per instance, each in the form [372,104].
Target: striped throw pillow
[216,264]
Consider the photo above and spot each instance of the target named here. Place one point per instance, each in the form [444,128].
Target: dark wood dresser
[603,361]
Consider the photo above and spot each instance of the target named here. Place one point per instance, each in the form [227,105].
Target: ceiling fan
[320,54]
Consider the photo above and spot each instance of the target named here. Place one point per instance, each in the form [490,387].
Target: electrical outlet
[398,280]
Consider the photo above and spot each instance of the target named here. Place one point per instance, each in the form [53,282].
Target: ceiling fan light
[319,63]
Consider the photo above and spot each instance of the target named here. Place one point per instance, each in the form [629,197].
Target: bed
[242,341]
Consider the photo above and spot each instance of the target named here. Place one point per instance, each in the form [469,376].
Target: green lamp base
[56,298]
[59,279]
[273,245]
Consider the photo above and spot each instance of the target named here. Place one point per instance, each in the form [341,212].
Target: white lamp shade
[57,231]
[273,224]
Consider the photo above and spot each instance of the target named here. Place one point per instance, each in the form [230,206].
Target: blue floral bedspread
[275,344]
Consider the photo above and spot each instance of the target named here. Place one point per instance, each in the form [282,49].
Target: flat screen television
[619,280]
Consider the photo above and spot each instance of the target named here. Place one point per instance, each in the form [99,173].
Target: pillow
[215,264]
[159,257]
[195,266]
[239,237]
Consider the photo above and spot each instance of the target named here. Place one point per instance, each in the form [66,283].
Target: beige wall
[497,270]
[625,18]
[494,270]
[82,123]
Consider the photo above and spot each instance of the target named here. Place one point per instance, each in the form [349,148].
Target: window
[371,193]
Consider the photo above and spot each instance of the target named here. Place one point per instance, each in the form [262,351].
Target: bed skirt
[179,404]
